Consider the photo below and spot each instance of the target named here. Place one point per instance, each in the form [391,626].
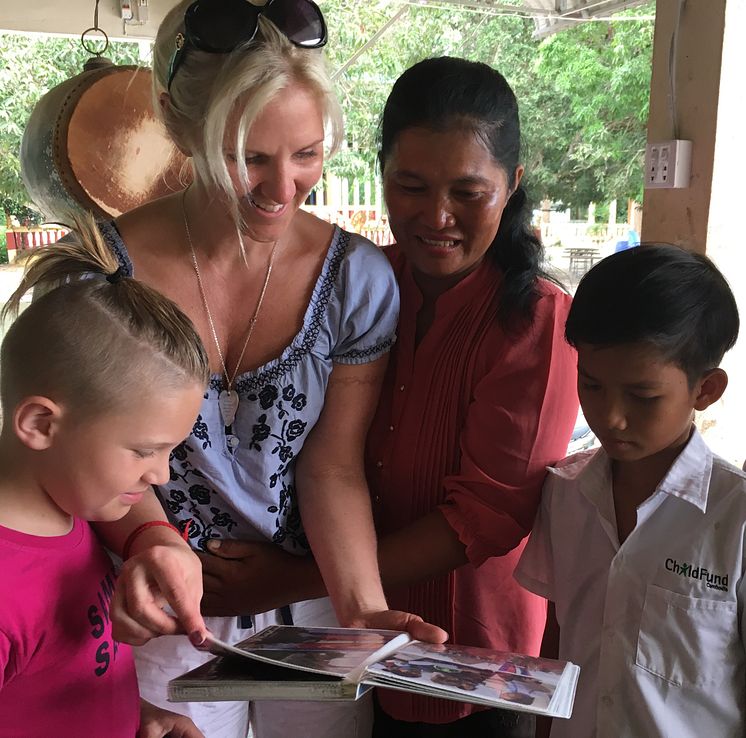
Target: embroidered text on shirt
[714,581]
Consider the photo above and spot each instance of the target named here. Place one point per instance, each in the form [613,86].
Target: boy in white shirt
[640,545]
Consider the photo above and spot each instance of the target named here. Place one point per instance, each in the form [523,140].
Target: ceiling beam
[490,5]
[589,10]
[372,41]
[599,7]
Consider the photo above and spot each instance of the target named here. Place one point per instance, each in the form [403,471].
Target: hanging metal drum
[94,143]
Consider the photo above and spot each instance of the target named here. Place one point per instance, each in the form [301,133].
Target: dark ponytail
[518,252]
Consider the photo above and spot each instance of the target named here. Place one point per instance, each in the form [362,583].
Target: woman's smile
[445,195]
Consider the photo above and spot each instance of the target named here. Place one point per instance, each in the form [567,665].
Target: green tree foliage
[600,76]
[30,67]
[583,93]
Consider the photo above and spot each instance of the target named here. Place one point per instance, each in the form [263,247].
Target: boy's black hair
[675,300]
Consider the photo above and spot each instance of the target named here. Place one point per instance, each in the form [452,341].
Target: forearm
[333,493]
[301,581]
[338,522]
[425,549]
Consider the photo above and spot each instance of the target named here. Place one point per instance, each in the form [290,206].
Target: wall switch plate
[142,11]
[668,164]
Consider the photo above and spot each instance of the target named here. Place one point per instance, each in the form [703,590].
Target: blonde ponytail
[95,336]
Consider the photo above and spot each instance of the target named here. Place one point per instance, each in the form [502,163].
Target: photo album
[296,663]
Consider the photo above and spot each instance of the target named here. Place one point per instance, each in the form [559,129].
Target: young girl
[79,444]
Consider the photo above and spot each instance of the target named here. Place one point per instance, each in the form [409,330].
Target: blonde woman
[297,317]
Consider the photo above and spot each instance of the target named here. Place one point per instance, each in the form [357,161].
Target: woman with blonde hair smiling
[297,317]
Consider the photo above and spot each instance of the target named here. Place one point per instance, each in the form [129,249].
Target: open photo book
[295,663]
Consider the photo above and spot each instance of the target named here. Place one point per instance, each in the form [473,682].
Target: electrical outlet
[142,11]
[668,164]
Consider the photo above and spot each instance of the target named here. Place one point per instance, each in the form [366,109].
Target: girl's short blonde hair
[209,88]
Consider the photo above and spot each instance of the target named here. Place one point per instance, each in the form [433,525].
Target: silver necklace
[228,398]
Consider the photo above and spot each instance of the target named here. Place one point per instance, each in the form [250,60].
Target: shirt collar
[688,478]
[484,279]
[591,471]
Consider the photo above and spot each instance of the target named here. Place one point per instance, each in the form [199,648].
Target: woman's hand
[158,723]
[244,578]
[397,620]
[168,573]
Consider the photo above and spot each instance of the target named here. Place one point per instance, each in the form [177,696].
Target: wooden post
[705,216]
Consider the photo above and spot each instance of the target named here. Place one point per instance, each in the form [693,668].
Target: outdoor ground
[10,277]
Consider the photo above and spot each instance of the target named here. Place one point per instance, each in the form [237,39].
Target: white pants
[166,658]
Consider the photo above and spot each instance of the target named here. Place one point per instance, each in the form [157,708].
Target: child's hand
[164,574]
[158,723]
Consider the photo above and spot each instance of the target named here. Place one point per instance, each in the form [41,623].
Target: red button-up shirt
[468,421]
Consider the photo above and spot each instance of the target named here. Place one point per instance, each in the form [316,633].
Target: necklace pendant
[228,403]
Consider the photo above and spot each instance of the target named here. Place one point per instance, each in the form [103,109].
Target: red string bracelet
[152,524]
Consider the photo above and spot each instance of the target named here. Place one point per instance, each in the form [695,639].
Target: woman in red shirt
[480,392]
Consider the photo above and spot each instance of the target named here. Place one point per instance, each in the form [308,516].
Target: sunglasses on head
[221,26]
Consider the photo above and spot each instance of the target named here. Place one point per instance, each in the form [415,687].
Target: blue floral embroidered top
[239,481]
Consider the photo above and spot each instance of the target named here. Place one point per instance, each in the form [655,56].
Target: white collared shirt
[656,624]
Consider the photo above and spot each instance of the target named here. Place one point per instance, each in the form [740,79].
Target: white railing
[20,238]
[579,234]
[365,220]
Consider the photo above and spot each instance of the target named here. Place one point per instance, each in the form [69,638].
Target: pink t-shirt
[61,673]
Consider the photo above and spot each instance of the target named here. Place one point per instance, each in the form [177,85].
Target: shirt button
[401,389]
[233,441]
[607,701]
[391,427]
[379,464]
[377,498]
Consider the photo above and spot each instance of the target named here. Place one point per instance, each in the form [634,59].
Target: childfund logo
[714,581]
